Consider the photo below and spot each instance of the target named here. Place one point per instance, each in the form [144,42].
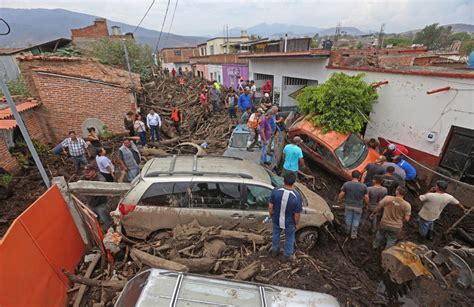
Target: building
[10,133]
[223,45]
[224,68]
[9,65]
[288,72]
[177,57]
[77,93]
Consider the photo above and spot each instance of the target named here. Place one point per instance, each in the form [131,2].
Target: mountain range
[33,26]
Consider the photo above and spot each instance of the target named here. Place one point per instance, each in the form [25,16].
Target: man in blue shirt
[244,100]
[410,171]
[285,206]
[293,157]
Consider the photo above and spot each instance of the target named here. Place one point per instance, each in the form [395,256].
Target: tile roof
[5,113]
[7,124]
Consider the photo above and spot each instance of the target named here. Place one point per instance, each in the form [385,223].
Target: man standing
[267,88]
[244,119]
[410,171]
[293,157]
[433,204]
[177,118]
[376,193]
[395,211]
[181,84]
[153,121]
[284,208]
[391,181]
[98,204]
[265,135]
[231,103]
[215,96]
[129,158]
[354,195]
[106,168]
[77,150]
[253,125]
[253,92]
[244,100]
[371,170]
[173,72]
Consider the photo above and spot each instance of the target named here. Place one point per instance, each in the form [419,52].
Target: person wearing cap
[293,157]
[394,150]
[244,100]
[433,205]
[129,159]
[98,204]
[266,102]
[253,124]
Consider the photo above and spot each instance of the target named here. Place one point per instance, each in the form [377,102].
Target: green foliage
[434,36]
[18,87]
[339,103]
[467,47]
[106,134]
[111,52]
[5,180]
[359,45]
[41,149]
[460,36]
[314,43]
[398,41]
[21,159]
[65,52]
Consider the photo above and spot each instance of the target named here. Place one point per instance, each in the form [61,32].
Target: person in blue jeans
[293,157]
[284,208]
[265,135]
[354,195]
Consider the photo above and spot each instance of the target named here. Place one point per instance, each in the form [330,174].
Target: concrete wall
[405,113]
[312,69]
[232,72]
[216,71]
[217,42]
[203,68]
[8,67]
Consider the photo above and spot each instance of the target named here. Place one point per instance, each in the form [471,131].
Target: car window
[166,194]
[239,140]
[352,152]
[309,142]
[257,197]
[216,195]
[325,153]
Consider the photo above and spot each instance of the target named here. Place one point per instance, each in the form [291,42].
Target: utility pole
[381,36]
[24,133]
[129,71]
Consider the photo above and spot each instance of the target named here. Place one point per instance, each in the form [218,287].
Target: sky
[208,17]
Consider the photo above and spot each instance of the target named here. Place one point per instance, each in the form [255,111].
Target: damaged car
[215,191]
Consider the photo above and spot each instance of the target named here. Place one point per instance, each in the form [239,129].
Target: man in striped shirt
[77,150]
[285,206]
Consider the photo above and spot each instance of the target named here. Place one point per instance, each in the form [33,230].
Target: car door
[214,203]
[327,157]
[255,206]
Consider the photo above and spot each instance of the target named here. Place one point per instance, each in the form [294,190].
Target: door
[260,80]
[255,206]
[214,204]
[459,154]
[319,153]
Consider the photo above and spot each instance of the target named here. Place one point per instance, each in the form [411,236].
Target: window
[177,52]
[309,142]
[325,153]
[239,140]
[166,194]
[211,50]
[352,152]
[257,197]
[216,195]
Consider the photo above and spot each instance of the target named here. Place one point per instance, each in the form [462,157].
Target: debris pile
[198,127]
[238,254]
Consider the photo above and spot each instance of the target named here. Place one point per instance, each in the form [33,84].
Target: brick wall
[7,161]
[358,57]
[98,29]
[68,102]
[34,123]
[169,55]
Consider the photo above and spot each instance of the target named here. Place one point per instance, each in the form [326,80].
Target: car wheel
[306,239]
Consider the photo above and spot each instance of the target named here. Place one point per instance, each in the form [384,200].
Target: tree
[467,47]
[111,52]
[433,36]
[460,36]
[339,103]
[398,41]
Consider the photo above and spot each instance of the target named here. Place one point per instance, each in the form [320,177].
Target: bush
[5,180]
[111,52]
[17,87]
[340,103]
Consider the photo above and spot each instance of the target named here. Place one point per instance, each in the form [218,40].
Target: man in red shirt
[394,150]
[173,72]
[267,88]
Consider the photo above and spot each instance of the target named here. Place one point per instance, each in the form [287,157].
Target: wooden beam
[98,188]
[82,289]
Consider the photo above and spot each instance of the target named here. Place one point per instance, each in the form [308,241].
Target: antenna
[338,33]
[381,36]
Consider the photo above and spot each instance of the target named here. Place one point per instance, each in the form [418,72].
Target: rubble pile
[238,254]
[214,129]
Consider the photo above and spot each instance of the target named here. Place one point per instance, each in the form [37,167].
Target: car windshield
[352,152]
[239,140]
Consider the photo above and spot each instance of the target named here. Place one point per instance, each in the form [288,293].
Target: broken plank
[97,188]
[119,284]
[157,262]
[83,288]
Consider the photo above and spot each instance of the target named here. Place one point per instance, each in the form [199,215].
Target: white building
[222,45]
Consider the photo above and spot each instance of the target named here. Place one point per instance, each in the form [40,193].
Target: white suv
[214,190]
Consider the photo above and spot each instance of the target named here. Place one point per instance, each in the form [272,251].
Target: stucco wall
[232,72]
[216,71]
[405,113]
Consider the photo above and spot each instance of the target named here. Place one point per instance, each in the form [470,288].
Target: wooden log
[214,248]
[83,288]
[232,234]
[115,284]
[249,271]
[197,265]
[157,262]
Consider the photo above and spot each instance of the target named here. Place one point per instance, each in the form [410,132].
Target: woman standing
[140,129]
[93,139]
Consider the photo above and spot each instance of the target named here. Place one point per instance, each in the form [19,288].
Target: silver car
[163,288]
[214,190]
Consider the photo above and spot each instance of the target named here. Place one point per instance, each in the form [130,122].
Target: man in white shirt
[153,121]
[253,92]
[433,205]
[106,168]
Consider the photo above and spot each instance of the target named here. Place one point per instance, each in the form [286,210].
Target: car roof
[240,129]
[332,139]
[211,166]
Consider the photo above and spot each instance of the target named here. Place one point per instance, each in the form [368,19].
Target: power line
[171,24]
[162,26]
[146,13]
[8,27]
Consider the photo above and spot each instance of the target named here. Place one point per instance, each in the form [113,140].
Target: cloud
[208,17]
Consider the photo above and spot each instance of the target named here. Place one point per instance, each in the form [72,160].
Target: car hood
[315,204]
